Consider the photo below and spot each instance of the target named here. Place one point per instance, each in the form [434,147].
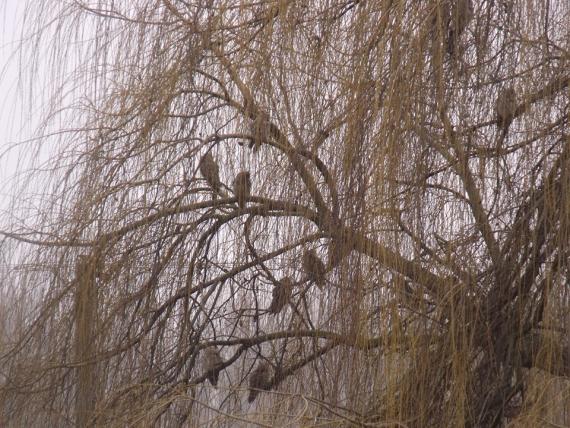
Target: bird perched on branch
[258,380]
[260,131]
[281,295]
[505,107]
[212,362]
[461,15]
[242,188]
[314,267]
[210,171]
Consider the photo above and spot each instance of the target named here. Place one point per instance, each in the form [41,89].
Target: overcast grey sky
[13,127]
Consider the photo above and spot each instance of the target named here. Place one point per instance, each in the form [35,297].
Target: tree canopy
[339,213]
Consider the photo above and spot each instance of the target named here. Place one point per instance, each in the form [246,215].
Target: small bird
[212,363]
[260,131]
[281,295]
[210,171]
[242,187]
[314,267]
[505,107]
[461,15]
[258,380]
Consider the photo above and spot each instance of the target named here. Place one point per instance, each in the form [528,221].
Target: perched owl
[281,295]
[461,15]
[212,363]
[259,379]
[260,131]
[210,171]
[505,107]
[314,267]
[242,188]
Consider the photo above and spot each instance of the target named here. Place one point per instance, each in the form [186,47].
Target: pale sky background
[23,101]
[13,124]
[12,121]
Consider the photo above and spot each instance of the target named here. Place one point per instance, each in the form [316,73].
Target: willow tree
[358,210]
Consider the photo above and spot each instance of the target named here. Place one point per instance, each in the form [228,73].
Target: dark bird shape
[461,15]
[260,131]
[212,364]
[314,267]
[242,188]
[281,295]
[210,171]
[258,380]
[505,107]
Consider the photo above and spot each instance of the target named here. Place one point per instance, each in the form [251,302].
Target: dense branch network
[397,157]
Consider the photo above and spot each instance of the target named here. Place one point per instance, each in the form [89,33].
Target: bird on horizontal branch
[258,380]
[314,267]
[281,295]
[211,172]
[242,188]
[260,131]
[505,108]
[212,362]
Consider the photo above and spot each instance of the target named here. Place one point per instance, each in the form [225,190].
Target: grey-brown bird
[505,107]
[258,380]
[461,14]
[314,267]
[281,295]
[212,362]
[210,171]
[260,131]
[242,188]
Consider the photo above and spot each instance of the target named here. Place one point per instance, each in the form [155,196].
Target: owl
[314,267]
[258,380]
[242,188]
[210,171]
[281,295]
[212,362]
[260,131]
[461,15]
[505,107]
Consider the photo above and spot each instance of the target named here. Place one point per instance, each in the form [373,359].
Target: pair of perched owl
[211,173]
[258,380]
[314,269]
